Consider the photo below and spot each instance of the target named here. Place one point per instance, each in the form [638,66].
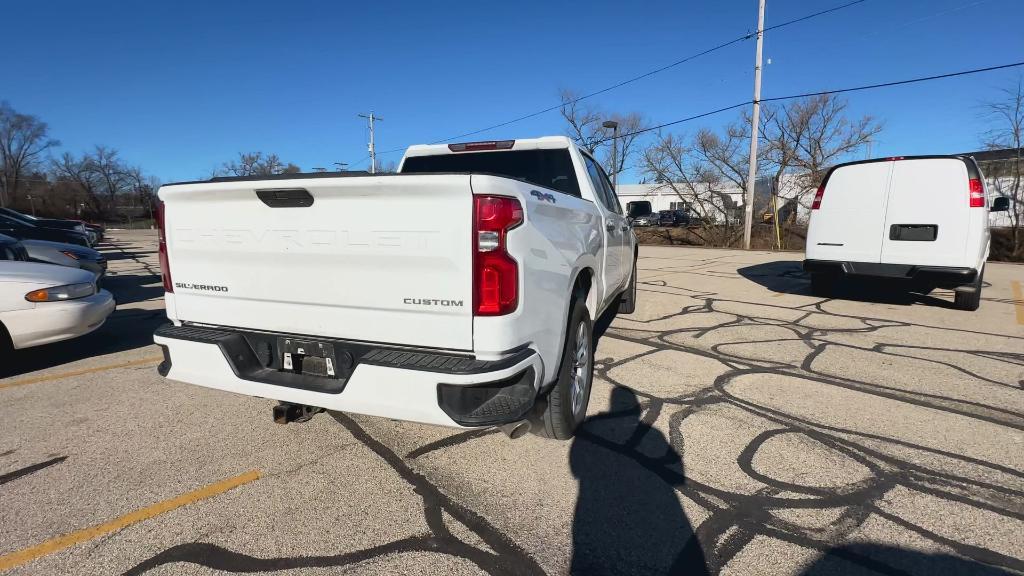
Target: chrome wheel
[580,370]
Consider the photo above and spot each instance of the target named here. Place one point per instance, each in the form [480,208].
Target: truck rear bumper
[418,386]
[940,276]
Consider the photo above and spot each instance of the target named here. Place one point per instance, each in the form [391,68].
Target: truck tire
[567,401]
[627,300]
[822,284]
[970,301]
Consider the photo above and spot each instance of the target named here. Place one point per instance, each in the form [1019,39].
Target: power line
[651,72]
[896,83]
[822,93]
[807,17]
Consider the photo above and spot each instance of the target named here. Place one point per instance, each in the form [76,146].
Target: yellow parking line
[50,377]
[1018,296]
[20,557]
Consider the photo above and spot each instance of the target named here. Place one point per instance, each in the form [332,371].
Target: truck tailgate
[374,258]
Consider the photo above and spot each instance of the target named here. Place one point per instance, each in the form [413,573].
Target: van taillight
[495,272]
[977,193]
[818,196]
[165,267]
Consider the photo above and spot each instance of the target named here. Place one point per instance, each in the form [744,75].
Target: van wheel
[970,301]
[567,401]
[627,301]
[822,284]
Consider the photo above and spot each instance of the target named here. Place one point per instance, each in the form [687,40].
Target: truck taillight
[478,146]
[495,272]
[818,196]
[977,193]
[165,267]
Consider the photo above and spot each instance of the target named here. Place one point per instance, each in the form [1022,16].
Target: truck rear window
[548,168]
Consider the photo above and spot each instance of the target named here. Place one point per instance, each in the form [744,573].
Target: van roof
[972,166]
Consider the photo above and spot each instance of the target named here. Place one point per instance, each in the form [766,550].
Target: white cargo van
[919,218]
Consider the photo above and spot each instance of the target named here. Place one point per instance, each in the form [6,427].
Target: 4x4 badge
[543,196]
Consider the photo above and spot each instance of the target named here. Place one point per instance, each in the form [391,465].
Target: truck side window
[610,191]
[595,181]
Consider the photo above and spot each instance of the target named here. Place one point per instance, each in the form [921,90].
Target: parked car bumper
[940,276]
[54,321]
[389,382]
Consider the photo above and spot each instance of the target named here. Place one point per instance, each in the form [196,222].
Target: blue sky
[179,87]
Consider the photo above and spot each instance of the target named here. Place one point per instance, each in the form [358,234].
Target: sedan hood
[44,274]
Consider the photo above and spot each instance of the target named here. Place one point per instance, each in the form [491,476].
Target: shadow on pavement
[788,277]
[628,519]
[872,559]
[129,289]
[111,255]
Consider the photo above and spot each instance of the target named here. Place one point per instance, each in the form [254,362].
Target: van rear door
[928,212]
[848,225]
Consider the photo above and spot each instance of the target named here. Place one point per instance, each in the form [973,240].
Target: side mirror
[1000,204]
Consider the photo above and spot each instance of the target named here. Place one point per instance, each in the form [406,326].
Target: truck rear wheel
[568,400]
[970,300]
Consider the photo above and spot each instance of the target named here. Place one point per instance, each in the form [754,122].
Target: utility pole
[373,151]
[755,125]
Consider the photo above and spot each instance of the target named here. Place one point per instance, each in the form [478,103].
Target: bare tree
[23,140]
[103,180]
[256,164]
[113,175]
[76,173]
[1006,117]
[807,137]
[143,189]
[686,171]
[801,141]
[585,125]
[389,167]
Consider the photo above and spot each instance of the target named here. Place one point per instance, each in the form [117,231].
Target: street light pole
[755,121]
[615,158]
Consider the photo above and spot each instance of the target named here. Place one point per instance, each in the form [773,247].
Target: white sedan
[43,303]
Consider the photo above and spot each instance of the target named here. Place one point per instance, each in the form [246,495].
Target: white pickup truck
[461,291]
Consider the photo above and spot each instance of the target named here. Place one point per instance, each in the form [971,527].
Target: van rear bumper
[939,276]
[432,387]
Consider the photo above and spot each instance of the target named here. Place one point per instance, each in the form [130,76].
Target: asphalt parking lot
[865,434]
